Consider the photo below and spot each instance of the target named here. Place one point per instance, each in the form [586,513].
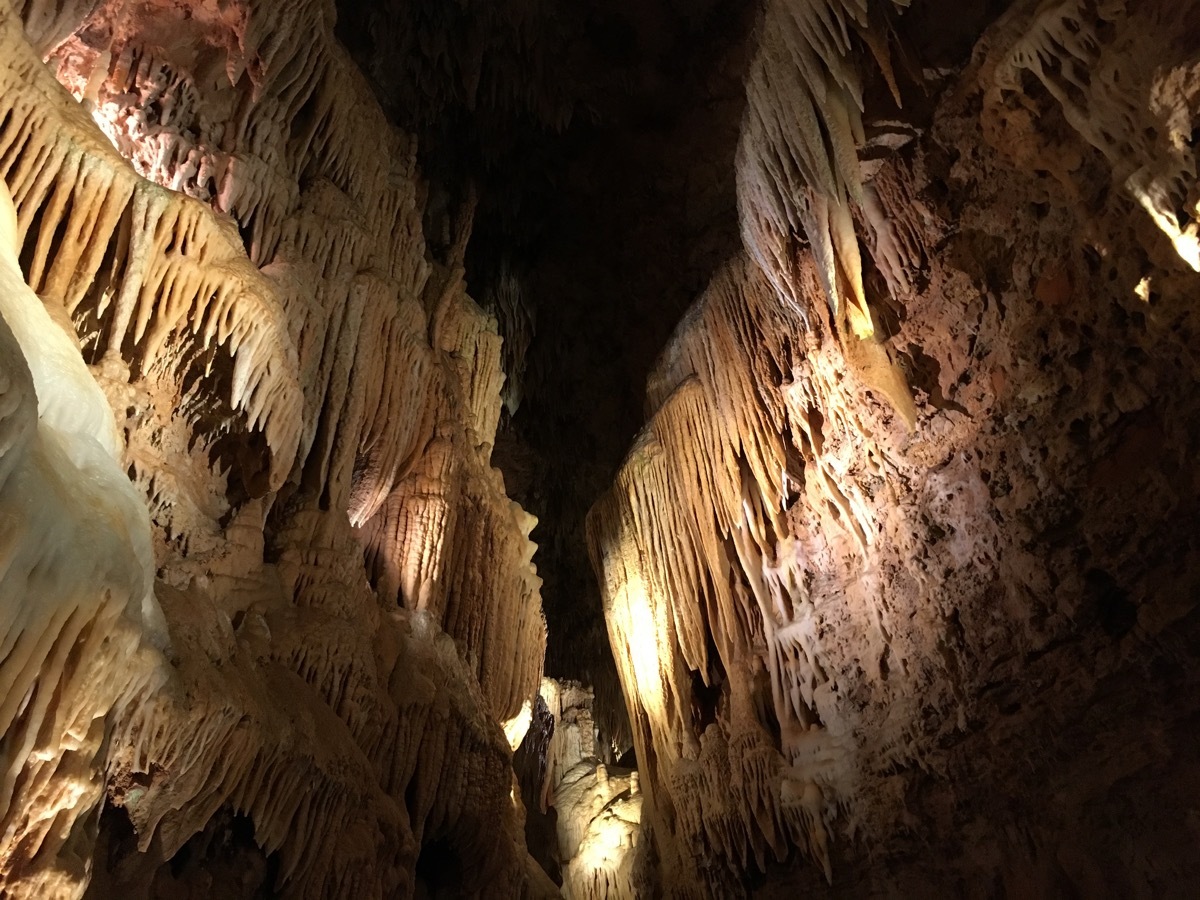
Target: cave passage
[596,228]
[519,448]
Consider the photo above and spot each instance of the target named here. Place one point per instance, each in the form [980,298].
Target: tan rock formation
[872,520]
[349,598]
[899,576]
[597,807]
[79,615]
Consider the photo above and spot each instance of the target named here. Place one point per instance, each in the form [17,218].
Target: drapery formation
[857,506]
[222,223]
[904,548]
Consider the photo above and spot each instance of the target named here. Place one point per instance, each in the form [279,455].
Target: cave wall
[294,658]
[900,575]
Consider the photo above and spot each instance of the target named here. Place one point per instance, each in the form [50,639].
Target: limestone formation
[898,572]
[817,588]
[81,627]
[597,806]
[306,405]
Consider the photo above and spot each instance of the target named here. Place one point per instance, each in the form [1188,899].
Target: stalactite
[798,164]
[814,551]
[798,173]
[80,627]
[180,272]
[515,317]
[298,384]
[715,564]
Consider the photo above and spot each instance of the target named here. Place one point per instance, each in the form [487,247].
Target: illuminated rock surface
[898,571]
[309,429]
